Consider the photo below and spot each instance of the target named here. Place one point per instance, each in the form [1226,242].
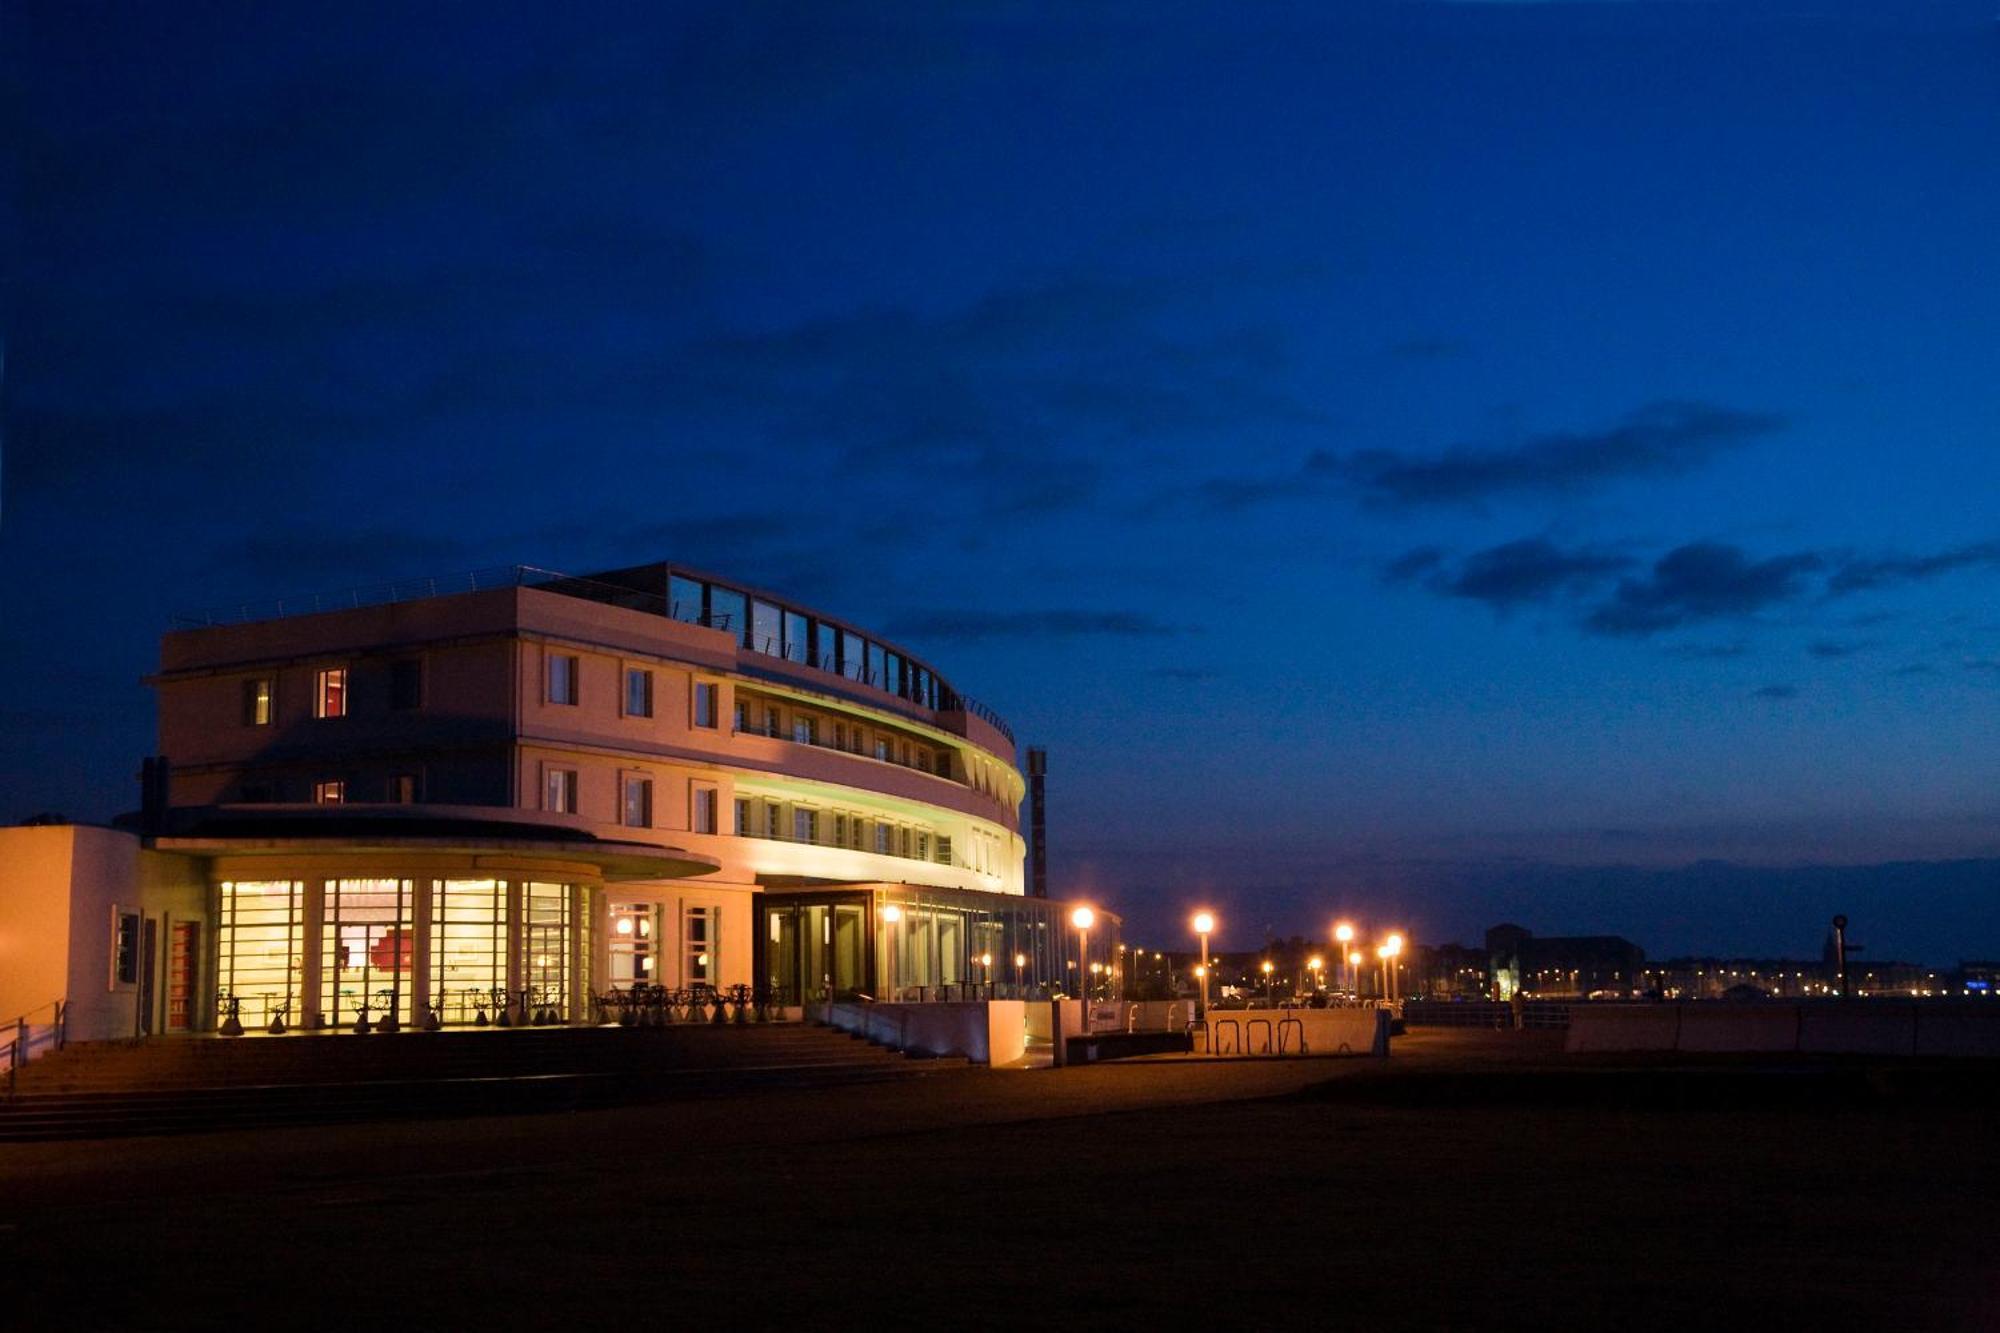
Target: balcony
[935,858]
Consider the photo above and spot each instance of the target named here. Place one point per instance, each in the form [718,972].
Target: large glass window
[366,949]
[684,599]
[766,631]
[826,646]
[634,931]
[853,655]
[562,679]
[548,943]
[876,671]
[638,692]
[704,705]
[638,802]
[469,948]
[795,636]
[725,611]
[260,945]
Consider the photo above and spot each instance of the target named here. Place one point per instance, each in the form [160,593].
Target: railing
[819,742]
[23,1040]
[932,859]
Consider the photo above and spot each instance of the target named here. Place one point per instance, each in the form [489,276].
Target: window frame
[643,676]
[260,701]
[330,693]
[571,671]
[572,788]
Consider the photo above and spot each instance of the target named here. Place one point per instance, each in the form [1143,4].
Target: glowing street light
[1316,965]
[1083,919]
[1020,961]
[1343,934]
[1392,948]
[1204,925]
[1268,969]
[986,961]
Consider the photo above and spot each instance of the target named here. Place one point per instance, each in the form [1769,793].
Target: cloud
[1531,570]
[1663,439]
[1413,564]
[1776,692]
[1833,649]
[1882,571]
[1708,652]
[1699,582]
[972,626]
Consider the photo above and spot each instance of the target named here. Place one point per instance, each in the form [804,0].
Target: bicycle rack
[1250,1027]
[1234,1030]
[1291,1025]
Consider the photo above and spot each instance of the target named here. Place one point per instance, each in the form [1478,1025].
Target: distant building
[1576,965]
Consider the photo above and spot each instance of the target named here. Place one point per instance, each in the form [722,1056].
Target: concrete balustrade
[986,1032]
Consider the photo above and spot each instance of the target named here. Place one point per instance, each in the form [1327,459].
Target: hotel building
[442,803]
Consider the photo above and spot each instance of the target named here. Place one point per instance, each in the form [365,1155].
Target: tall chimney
[1038,822]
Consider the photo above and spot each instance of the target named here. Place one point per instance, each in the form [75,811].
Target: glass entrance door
[848,952]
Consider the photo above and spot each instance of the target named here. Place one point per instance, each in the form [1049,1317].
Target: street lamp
[986,961]
[1204,925]
[1269,968]
[1316,965]
[1354,972]
[1020,961]
[1343,934]
[1083,919]
[1392,948]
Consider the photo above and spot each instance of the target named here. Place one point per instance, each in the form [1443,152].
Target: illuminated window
[705,695]
[638,802]
[259,940]
[882,835]
[257,700]
[562,679]
[469,948]
[632,941]
[702,808]
[699,935]
[332,791]
[559,791]
[638,692]
[330,692]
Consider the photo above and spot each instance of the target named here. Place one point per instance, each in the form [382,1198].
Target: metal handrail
[19,1048]
[870,851]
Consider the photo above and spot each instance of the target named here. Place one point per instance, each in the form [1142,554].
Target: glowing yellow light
[1200,971]
[624,925]
[1083,918]
[1315,962]
[1269,968]
[1394,944]
[892,913]
[1204,923]
[986,960]
[1020,960]
[1354,958]
[1343,932]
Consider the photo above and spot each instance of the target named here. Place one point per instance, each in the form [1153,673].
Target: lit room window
[562,679]
[638,692]
[702,808]
[257,698]
[403,789]
[332,791]
[638,805]
[840,830]
[700,933]
[406,685]
[330,693]
[705,694]
[559,791]
[772,815]
[943,850]
[631,953]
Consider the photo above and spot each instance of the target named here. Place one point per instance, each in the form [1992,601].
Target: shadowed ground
[1476,1180]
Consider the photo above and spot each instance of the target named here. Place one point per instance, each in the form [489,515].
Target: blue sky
[1390,454]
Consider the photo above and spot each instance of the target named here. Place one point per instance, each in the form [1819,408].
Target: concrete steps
[207,1084]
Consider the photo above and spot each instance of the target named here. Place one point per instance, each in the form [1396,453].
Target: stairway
[207,1084]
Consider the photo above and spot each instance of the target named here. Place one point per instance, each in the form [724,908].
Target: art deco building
[511,792]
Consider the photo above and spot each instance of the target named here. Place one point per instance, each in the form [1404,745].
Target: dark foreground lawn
[1477,1181]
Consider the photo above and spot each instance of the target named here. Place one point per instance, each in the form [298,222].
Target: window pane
[875,668]
[726,612]
[852,655]
[638,693]
[826,646]
[766,631]
[684,599]
[330,693]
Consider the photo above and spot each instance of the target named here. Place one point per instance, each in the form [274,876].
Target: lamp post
[1083,919]
[1392,948]
[1204,925]
[986,962]
[1354,972]
[1317,966]
[1020,961]
[1269,968]
[1343,934]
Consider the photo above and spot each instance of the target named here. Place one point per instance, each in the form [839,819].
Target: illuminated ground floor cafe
[320,922]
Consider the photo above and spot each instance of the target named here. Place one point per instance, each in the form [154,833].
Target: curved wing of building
[514,794]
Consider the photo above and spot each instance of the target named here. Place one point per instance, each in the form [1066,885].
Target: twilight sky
[1431,461]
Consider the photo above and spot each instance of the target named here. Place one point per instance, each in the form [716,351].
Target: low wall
[1825,1027]
[1295,1032]
[985,1032]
